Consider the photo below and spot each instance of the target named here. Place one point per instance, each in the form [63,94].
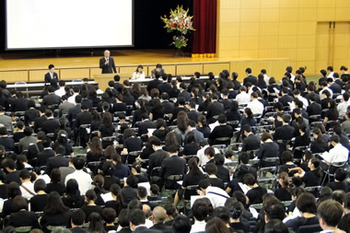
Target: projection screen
[40,24]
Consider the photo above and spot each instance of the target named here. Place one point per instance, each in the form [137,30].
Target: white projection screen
[40,24]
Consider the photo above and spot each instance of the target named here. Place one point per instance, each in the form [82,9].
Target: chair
[222,140]
[23,229]
[154,176]
[309,229]
[131,157]
[22,84]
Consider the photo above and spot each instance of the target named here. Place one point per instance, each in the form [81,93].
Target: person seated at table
[139,73]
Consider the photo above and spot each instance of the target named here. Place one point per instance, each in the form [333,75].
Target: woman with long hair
[332,114]
[283,193]
[72,197]
[62,140]
[95,150]
[90,205]
[117,202]
[136,90]
[249,119]
[106,129]
[139,73]
[319,145]
[99,182]
[233,113]
[157,111]
[190,179]
[107,172]
[161,129]
[141,108]
[56,184]
[182,125]
[55,213]
[203,126]
[96,121]
[13,190]
[95,223]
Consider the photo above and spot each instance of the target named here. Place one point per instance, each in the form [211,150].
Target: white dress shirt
[217,196]
[30,186]
[266,79]
[84,180]
[337,154]
[60,92]
[343,108]
[72,98]
[137,75]
[202,158]
[243,98]
[326,88]
[198,226]
[256,106]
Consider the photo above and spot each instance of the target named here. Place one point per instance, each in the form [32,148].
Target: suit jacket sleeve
[113,65]
[102,63]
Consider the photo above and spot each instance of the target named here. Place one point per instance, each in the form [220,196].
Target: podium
[103,79]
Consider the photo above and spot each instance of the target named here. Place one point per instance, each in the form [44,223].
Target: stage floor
[27,60]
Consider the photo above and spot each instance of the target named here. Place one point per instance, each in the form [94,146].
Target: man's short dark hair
[109,215]
[25,174]
[3,131]
[330,68]
[78,99]
[211,168]
[204,183]
[28,131]
[181,100]
[248,70]
[137,217]
[335,138]
[340,174]
[223,213]
[78,217]
[306,202]
[19,203]
[331,212]
[51,66]
[219,159]
[222,119]
[200,210]
[244,158]
[132,181]
[142,192]
[8,162]
[286,118]
[123,218]
[182,224]
[116,78]
[79,163]
[135,204]
[209,151]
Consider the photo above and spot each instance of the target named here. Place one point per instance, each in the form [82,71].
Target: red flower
[181,26]
[171,25]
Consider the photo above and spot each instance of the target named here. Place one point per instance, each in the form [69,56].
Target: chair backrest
[20,83]
[309,229]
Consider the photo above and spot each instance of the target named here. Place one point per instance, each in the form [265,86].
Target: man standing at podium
[107,63]
[51,77]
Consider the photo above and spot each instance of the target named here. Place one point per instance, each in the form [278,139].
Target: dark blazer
[220,131]
[252,142]
[335,87]
[30,115]
[164,87]
[314,109]
[43,156]
[284,132]
[77,230]
[38,122]
[83,118]
[156,159]
[21,104]
[51,99]
[51,81]
[50,125]
[172,166]
[55,162]
[223,173]
[193,115]
[215,108]
[185,94]
[153,84]
[168,106]
[8,143]
[109,68]
[162,228]
[144,126]
[285,100]
[250,78]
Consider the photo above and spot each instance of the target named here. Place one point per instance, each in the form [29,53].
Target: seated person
[312,177]
[129,191]
[212,170]
[250,141]
[329,213]
[21,216]
[283,193]
[254,191]
[90,206]
[222,133]
[109,215]
[339,182]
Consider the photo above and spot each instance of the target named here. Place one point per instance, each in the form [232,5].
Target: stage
[31,66]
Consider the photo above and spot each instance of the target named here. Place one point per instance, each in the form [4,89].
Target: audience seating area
[177,153]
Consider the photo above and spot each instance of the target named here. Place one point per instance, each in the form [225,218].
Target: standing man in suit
[107,63]
[250,78]
[51,77]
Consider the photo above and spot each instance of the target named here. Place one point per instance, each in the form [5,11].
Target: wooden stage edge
[69,68]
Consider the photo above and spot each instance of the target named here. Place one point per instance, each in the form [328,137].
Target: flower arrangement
[178,22]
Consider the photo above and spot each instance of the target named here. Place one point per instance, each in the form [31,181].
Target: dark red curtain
[204,21]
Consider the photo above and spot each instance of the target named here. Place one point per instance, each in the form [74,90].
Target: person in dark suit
[184,93]
[51,98]
[214,108]
[73,112]
[57,161]
[222,173]
[220,131]
[51,77]
[137,222]
[145,124]
[284,132]
[251,141]
[21,103]
[51,124]
[38,122]
[154,83]
[31,114]
[164,86]
[314,108]
[250,78]
[285,99]
[107,63]
[174,165]
[335,87]
[157,157]
[46,153]
[5,140]
[167,105]
[192,113]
